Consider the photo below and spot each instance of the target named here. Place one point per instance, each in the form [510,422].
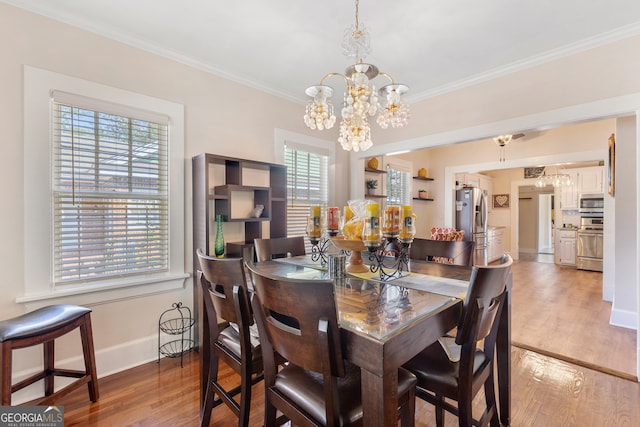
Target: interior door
[528,224]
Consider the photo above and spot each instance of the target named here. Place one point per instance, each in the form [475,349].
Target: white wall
[220,117]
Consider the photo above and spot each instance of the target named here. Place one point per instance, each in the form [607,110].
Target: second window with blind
[307,184]
[398,182]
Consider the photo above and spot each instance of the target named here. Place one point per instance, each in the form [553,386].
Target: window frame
[39,288]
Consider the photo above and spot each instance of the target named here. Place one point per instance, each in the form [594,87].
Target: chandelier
[360,97]
[555,179]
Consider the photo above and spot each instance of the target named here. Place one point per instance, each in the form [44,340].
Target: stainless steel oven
[589,245]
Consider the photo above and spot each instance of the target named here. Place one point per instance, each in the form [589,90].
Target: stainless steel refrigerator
[471,216]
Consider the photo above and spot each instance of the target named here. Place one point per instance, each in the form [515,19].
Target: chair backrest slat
[292,312]
[486,286]
[281,247]
[222,274]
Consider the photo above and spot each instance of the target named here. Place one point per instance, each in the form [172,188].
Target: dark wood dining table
[383,324]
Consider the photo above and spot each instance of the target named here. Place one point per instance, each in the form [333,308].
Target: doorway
[536,220]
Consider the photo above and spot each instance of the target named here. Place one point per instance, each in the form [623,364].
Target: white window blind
[398,184]
[110,191]
[307,185]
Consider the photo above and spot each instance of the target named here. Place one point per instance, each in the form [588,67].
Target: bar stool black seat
[43,326]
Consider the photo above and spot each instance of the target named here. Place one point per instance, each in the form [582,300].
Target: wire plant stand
[176,321]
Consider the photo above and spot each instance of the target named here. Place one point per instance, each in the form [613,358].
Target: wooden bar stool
[43,326]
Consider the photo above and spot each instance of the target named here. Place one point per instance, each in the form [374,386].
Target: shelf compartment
[424,200]
[236,202]
[423,178]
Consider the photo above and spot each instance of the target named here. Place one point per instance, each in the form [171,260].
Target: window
[399,183]
[307,185]
[110,192]
[108,224]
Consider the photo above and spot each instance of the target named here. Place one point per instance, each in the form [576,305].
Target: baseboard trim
[624,318]
[582,363]
[108,361]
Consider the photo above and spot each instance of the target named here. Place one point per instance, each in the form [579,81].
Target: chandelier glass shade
[361,99]
[555,179]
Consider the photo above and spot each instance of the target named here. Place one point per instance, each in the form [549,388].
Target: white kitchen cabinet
[590,180]
[569,193]
[584,180]
[566,247]
[495,244]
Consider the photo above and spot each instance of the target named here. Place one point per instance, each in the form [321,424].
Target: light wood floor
[546,391]
[559,311]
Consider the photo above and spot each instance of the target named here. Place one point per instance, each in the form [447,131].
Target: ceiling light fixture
[502,141]
[556,179]
[360,97]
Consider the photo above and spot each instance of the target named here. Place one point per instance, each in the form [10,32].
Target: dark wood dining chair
[452,252]
[297,320]
[280,247]
[440,376]
[224,290]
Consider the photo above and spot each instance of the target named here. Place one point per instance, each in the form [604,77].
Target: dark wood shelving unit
[218,182]
[424,200]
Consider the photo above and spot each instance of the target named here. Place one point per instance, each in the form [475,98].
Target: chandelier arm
[334,75]
[382,73]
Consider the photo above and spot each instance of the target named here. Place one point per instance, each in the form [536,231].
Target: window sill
[106,292]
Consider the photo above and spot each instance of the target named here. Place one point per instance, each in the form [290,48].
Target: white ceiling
[283,46]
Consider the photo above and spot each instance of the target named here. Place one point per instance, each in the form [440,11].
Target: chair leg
[245,395]
[465,416]
[408,410]
[490,398]
[86,335]
[439,411]
[5,373]
[207,407]
[269,412]
[49,366]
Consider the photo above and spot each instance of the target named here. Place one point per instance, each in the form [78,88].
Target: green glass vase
[219,243]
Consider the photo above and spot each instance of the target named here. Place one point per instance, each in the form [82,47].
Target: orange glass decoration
[333,219]
[391,224]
